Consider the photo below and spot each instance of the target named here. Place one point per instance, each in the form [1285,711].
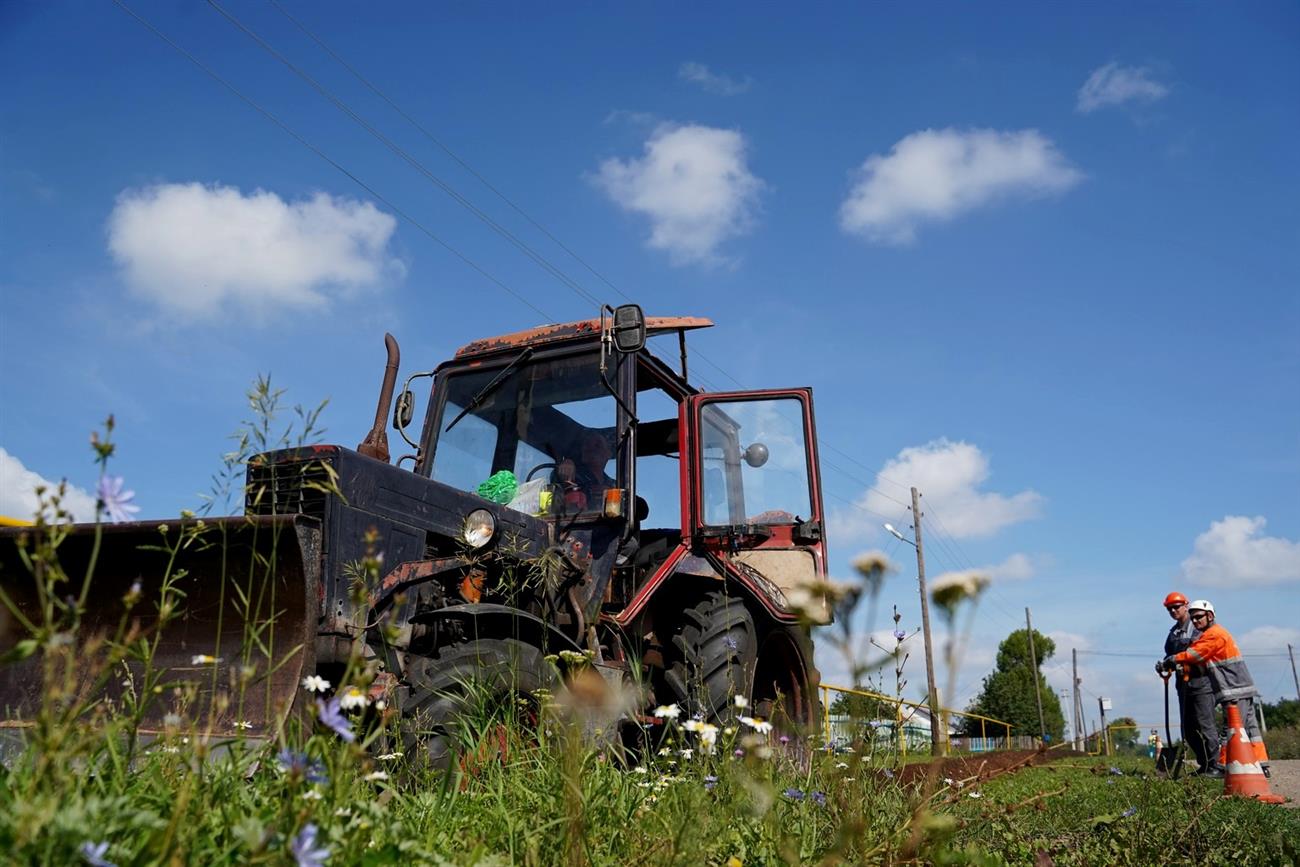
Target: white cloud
[1268,639]
[1017,567]
[949,476]
[1233,553]
[1066,640]
[194,249]
[1113,84]
[693,183]
[18,492]
[936,175]
[713,82]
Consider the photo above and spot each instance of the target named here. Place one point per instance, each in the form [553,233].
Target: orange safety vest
[1216,651]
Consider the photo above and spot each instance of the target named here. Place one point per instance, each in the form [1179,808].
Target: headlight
[480,526]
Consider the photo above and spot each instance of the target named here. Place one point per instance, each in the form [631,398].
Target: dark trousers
[1196,715]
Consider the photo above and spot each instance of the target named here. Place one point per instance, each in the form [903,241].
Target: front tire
[463,692]
[715,652]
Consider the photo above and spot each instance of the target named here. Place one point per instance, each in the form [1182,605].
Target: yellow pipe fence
[898,704]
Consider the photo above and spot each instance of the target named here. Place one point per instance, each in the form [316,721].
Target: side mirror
[629,328]
[404,409]
[756,455]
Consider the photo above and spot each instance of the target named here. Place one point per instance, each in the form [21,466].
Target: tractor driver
[584,482]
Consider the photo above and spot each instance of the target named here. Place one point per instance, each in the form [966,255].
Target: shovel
[1170,758]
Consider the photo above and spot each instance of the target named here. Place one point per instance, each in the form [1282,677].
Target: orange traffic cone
[1244,776]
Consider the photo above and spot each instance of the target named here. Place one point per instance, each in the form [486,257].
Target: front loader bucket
[230,658]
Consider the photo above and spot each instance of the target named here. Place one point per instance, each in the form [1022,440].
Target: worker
[1215,651]
[584,482]
[1195,692]
[1153,744]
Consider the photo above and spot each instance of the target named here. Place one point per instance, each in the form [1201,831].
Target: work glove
[1160,667]
[1169,664]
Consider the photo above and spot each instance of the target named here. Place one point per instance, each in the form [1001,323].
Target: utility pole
[1078,708]
[937,738]
[1104,734]
[1038,698]
[1291,653]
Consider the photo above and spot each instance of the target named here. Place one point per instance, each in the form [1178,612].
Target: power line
[444,148]
[1148,654]
[332,162]
[540,260]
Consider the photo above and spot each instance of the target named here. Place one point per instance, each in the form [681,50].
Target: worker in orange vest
[1217,652]
[1195,693]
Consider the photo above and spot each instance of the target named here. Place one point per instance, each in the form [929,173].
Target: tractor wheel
[786,681]
[469,696]
[714,654]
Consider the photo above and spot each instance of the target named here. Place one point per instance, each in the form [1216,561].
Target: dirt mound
[979,767]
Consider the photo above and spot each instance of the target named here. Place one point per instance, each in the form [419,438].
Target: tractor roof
[572,332]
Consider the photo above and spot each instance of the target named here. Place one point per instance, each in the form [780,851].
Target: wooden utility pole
[1038,698]
[1291,653]
[938,739]
[1078,708]
[1103,731]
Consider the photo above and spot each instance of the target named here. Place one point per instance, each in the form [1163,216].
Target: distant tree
[1008,692]
[861,707]
[1125,736]
[1282,714]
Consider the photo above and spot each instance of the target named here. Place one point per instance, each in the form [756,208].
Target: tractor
[567,491]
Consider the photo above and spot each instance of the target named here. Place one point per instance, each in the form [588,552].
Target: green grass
[560,803]
[84,789]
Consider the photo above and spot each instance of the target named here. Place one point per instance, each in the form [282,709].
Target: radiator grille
[287,488]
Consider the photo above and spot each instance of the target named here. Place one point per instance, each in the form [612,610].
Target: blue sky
[1041,262]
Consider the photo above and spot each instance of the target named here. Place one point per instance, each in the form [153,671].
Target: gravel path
[1286,780]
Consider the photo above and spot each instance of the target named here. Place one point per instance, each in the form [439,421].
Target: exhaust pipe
[375,445]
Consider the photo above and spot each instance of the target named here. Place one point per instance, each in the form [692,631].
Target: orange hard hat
[1175,598]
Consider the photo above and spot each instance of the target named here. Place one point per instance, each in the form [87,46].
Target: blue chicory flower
[304,849]
[819,798]
[793,794]
[710,781]
[889,773]
[1129,812]
[301,765]
[899,635]
[1116,771]
[115,502]
[331,715]
[94,854]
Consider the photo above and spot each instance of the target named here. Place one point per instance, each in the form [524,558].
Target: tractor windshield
[544,419]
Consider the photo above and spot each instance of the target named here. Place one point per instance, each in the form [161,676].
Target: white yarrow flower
[204,659]
[315,683]
[668,711]
[741,702]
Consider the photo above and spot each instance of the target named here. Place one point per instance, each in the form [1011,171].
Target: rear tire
[714,654]
[786,681]
[487,682]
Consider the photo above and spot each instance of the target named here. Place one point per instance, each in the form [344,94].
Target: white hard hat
[1201,605]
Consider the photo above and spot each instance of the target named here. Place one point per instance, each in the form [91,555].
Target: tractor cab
[637,472]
